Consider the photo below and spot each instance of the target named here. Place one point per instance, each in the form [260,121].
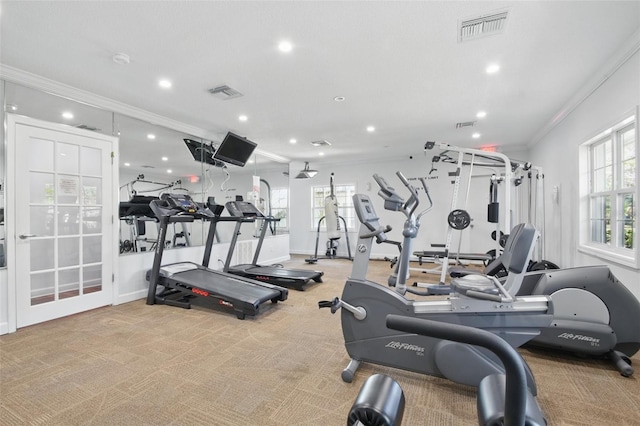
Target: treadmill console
[181,202]
[243,209]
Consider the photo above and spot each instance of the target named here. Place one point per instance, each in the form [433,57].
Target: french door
[64,229]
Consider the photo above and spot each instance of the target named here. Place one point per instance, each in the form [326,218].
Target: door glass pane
[91,191]
[68,252]
[92,278]
[67,158]
[68,283]
[42,287]
[42,254]
[91,220]
[68,220]
[68,189]
[43,161]
[90,164]
[41,188]
[91,249]
[41,221]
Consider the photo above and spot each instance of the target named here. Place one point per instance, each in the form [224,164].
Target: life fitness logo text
[589,339]
[405,347]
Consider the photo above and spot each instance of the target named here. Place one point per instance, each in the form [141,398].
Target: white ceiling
[398,64]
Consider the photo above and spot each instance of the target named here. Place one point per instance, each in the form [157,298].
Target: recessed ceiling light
[493,68]
[292,141]
[169,171]
[243,118]
[475,135]
[151,136]
[12,107]
[339,98]
[481,114]
[67,115]
[285,46]
[371,129]
[321,154]
[164,83]
[127,164]
[165,159]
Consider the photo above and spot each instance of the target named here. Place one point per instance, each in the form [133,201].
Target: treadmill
[183,281]
[297,279]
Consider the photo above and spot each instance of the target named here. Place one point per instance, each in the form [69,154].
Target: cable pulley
[459,219]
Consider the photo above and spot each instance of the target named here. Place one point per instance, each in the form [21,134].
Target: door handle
[25,236]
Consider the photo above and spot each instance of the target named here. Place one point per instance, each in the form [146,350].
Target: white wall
[557,153]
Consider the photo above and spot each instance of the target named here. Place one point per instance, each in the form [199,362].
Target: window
[610,168]
[344,194]
[280,207]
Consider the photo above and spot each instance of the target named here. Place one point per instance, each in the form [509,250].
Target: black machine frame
[184,281]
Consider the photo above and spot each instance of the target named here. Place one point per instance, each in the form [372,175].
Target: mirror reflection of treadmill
[294,278]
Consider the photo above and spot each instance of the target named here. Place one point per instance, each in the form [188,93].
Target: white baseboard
[4,328]
[130,297]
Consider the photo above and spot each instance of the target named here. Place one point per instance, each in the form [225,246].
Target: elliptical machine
[366,304]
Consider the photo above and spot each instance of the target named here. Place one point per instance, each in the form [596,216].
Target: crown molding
[53,87]
[609,68]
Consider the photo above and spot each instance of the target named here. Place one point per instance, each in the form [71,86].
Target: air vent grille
[225,92]
[85,127]
[482,26]
[465,124]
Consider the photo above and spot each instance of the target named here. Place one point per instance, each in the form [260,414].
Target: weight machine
[458,218]
[136,213]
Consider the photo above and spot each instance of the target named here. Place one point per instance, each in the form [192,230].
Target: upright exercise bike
[366,304]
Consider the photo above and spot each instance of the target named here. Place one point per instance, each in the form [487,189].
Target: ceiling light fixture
[339,98]
[12,107]
[371,129]
[285,46]
[165,159]
[127,164]
[151,136]
[169,171]
[481,114]
[475,135]
[243,118]
[165,84]
[493,68]
[67,115]
[293,141]
[306,173]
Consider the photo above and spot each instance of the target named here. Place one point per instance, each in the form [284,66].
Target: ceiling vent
[482,26]
[321,143]
[465,124]
[85,127]
[144,166]
[225,92]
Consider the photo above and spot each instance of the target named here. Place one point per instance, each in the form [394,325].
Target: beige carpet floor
[135,364]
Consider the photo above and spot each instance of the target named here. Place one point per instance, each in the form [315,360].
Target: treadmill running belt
[227,285]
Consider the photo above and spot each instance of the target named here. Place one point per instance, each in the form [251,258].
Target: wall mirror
[155,159]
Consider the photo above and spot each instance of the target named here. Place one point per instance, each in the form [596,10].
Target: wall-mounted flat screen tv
[202,152]
[235,150]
